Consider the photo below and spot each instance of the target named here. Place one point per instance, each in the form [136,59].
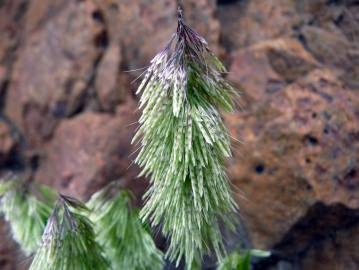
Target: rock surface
[247,22]
[54,66]
[7,142]
[300,147]
[88,151]
[6,248]
[11,257]
[299,126]
[108,79]
[68,71]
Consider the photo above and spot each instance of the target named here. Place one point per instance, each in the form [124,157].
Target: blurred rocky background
[68,72]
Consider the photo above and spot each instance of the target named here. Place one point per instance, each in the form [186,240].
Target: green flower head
[25,213]
[68,242]
[126,241]
[184,144]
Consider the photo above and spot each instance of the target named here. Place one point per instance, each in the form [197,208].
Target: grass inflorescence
[68,242]
[26,214]
[127,243]
[184,144]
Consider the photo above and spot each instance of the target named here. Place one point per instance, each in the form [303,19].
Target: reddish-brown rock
[334,50]
[329,30]
[300,146]
[52,71]
[324,45]
[88,151]
[108,84]
[11,21]
[278,62]
[11,257]
[248,22]
[7,248]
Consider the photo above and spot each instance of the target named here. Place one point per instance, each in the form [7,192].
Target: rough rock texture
[299,124]
[108,79]
[300,147]
[53,69]
[68,70]
[248,22]
[88,151]
[334,50]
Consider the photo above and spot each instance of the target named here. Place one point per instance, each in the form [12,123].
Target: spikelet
[126,241]
[26,214]
[68,242]
[184,144]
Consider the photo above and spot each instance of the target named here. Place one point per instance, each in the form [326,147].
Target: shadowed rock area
[68,111]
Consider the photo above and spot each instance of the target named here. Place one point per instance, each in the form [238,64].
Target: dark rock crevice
[322,223]
[228,2]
